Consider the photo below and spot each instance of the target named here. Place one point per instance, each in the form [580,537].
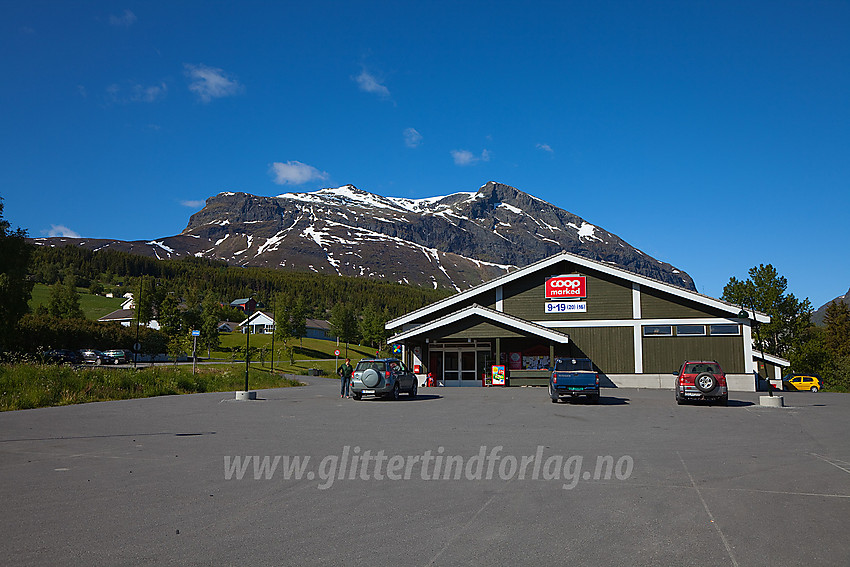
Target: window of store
[690,330]
[721,330]
[658,331]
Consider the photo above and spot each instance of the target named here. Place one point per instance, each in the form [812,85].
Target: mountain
[455,241]
[818,316]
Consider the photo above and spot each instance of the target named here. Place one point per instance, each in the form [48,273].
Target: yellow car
[810,382]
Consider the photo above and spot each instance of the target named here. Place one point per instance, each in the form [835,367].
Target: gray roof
[119,315]
[318,324]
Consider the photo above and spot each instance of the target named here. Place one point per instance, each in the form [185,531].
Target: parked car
[573,377]
[61,356]
[806,382]
[121,355]
[92,356]
[701,380]
[386,377]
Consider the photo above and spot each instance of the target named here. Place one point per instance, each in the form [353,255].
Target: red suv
[701,380]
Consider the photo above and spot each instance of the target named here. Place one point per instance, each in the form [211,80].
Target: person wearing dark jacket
[344,371]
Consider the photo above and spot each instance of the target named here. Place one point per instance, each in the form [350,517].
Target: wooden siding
[656,304]
[608,297]
[611,349]
[662,355]
[484,299]
[473,328]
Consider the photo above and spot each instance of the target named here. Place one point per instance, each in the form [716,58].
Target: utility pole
[274,329]
[138,319]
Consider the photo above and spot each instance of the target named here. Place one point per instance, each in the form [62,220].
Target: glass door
[459,365]
[468,371]
[451,368]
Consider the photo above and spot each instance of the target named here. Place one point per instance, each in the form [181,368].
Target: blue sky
[712,135]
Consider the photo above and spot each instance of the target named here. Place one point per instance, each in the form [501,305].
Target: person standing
[344,371]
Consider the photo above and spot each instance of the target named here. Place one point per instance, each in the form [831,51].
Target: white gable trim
[775,360]
[642,281]
[513,322]
[258,318]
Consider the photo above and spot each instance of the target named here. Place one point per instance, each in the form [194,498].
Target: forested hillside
[193,279]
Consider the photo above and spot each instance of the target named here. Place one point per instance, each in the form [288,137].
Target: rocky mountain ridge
[455,241]
[820,313]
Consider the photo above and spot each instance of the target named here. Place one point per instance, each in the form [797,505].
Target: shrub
[24,386]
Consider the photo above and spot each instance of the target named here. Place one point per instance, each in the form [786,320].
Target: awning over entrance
[477,311]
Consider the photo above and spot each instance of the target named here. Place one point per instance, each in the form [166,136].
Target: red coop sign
[566,287]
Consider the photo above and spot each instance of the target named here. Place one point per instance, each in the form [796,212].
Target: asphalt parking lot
[456,476]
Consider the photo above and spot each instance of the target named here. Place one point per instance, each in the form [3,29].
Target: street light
[247,350]
[246,395]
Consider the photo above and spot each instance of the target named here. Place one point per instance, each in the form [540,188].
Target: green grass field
[314,353]
[308,354]
[94,306]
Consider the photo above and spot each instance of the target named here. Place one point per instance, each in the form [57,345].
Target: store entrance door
[459,365]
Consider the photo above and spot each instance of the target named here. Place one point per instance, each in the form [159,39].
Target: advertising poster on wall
[515,361]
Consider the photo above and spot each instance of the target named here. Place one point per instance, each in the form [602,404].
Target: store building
[636,330]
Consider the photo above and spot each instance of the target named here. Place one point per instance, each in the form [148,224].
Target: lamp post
[246,395]
[247,351]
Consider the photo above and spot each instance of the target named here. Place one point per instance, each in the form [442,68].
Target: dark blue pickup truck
[573,377]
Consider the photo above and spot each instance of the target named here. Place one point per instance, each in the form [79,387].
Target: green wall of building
[663,355]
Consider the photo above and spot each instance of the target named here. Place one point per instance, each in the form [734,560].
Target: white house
[259,322]
[126,314]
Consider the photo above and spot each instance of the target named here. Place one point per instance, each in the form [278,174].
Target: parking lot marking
[707,511]
[633,485]
[830,461]
[463,529]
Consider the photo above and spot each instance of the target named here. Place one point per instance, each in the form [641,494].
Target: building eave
[489,314]
[585,263]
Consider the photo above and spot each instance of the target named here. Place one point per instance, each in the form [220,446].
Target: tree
[372,328]
[765,291]
[344,324]
[170,321]
[837,334]
[65,301]
[283,327]
[210,338]
[812,356]
[15,289]
[192,316]
[96,288]
[171,324]
[145,300]
[298,320]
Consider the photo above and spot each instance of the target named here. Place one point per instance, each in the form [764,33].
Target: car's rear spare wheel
[370,378]
[705,382]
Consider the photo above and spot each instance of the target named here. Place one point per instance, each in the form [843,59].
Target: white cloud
[295,173]
[545,148]
[60,230]
[370,84]
[465,157]
[139,93]
[193,204]
[412,138]
[125,20]
[209,82]
[135,93]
